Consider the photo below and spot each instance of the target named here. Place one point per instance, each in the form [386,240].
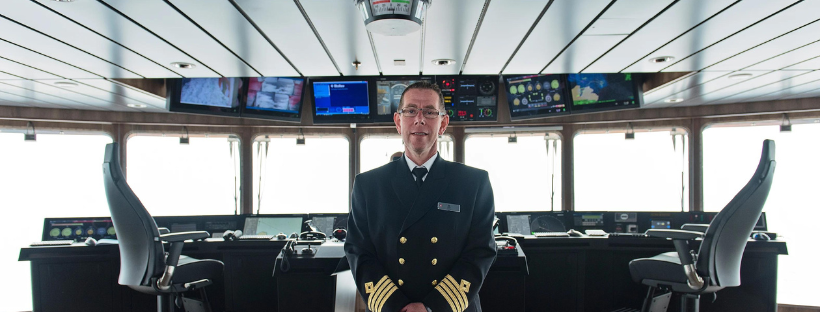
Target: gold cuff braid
[379,294]
[454,293]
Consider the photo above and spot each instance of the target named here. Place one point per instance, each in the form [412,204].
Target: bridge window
[376,150]
[647,173]
[173,179]
[730,155]
[525,175]
[59,175]
[313,177]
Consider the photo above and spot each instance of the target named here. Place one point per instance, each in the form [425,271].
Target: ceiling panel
[735,18]
[719,81]
[670,91]
[811,64]
[44,100]
[34,59]
[14,33]
[342,30]
[449,28]
[792,18]
[284,24]
[793,60]
[4,76]
[582,52]
[91,98]
[504,26]
[792,91]
[24,71]
[391,48]
[809,94]
[222,20]
[128,92]
[8,99]
[771,88]
[109,23]
[163,20]
[560,24]
[35,16]
[745,85]
[784,44]
[675,21]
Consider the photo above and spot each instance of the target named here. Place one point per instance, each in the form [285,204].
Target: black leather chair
[716,264]
[144,264]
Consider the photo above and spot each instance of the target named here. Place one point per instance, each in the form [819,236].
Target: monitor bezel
[173,104]
[271,115]
[563,78]
[343,119]
[637,91]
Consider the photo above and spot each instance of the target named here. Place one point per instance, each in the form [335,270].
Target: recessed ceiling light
[444,62]
[65,84]
[675,100]
[661,59]
[63,0]
[136,105]
[183,65]
[740,76]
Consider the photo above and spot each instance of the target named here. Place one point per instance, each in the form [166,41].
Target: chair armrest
[163,230]
[674,234]
[181,236]
[695,227]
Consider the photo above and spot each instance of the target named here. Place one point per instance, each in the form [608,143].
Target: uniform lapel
[404,185]
[432,188]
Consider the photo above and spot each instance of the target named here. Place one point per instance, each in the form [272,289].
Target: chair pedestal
[690,302]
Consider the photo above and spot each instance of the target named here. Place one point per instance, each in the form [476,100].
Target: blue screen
[341,98]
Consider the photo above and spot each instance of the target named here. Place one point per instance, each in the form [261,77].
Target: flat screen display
[519,224]
[597,92]
[217,96]
[470,98]
[78,228]
[536,96]
[274,98]
[341,101]
[388,94]
[272,225]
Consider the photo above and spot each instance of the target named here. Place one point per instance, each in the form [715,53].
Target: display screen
[536,96]
[341,98]
[660,224]
[274,97]
[78,229]
[272,225]
[388,94]
[594,92]
[589,219]
[469,98]
[214,92]
[519,224]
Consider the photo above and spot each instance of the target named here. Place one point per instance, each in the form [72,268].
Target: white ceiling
[89,42]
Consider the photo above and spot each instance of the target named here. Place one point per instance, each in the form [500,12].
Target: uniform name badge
[449,207]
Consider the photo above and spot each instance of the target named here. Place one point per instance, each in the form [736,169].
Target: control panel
[470,98]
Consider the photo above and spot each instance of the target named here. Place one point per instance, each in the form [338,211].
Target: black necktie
[419,172]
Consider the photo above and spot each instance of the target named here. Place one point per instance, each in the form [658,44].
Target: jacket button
[434,240]
[403,240]
[401,282]
[435,282]
[401,260]
[435,261]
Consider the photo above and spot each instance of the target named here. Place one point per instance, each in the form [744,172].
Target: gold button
[401,260]
[435,261]
[435,282]
[403,240]
[401,282]
[434,240]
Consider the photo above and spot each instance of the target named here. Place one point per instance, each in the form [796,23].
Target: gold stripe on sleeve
[462,295]
[446,297]
[454,294]
[371,300]
[381,294]
[392,288]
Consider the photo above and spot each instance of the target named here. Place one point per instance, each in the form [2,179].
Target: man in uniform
[420,228]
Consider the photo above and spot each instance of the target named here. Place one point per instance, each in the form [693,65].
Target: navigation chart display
[594,92]
[536,96]
[272,225]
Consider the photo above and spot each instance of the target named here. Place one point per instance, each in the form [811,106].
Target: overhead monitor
[78,228]
[470,98]
[388,94]
[536,96]
[272,225]
[278,98]
[213,96]
[341,100]
[600,92]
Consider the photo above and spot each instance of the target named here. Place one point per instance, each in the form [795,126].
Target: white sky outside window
[644,174]
[172,179]
[730,157]
[520,173]
[56,176]
[309,178]
[376,150]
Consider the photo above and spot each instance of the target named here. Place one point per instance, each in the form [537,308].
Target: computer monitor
[278,98]
[327,222]
[272,225]
[536,96]
[519,224]
[388,94]
[601,92]
[212,96]
[341,100]
[78,228]
[470,98]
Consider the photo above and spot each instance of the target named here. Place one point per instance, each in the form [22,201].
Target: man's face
[420,133]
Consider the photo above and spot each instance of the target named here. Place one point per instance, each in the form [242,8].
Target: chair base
[660,303]
[176,302]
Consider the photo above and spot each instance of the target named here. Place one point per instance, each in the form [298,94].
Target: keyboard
[550,234]
[256,237]
[52,243]
[627,235]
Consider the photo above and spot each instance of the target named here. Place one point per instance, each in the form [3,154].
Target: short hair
[424,85]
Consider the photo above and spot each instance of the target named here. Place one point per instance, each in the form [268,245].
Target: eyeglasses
[426,112]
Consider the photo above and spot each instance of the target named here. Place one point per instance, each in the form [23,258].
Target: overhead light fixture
[661,59]
[185,140]
[786,124]
[392,18]
[444,62]
[63,0]
[399,62]
[132,105]
[356,64]
[300,139]
[512,139]
[674,100]
[740,76]
[66,84]
[30,137]
[183,65]
[630,132]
